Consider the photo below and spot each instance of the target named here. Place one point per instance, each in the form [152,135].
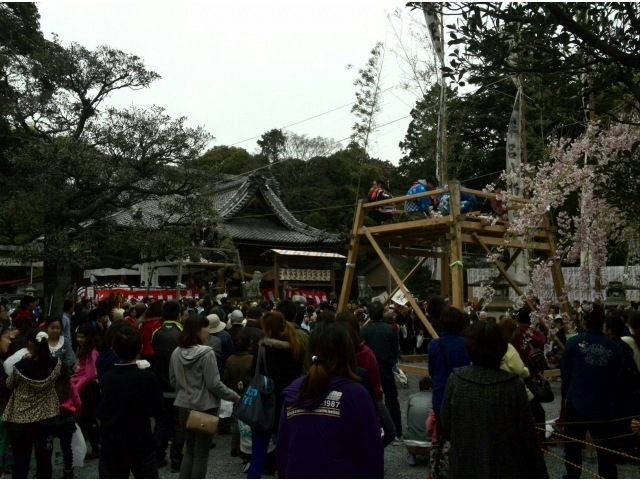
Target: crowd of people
[108,370]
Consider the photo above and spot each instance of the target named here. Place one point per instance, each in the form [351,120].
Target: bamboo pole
[352,256]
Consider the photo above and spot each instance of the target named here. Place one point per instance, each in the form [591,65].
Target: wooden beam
[412,225]
[413,358]
[481,194]
[431,193]
[400,284]
[416,240]
[504,273]
[457,270]
[381,203]
[512,244]
[414,369]
[497,229]
[411,252]
[409,276]
[352,256]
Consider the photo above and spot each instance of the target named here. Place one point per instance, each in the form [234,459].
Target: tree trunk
[57,282]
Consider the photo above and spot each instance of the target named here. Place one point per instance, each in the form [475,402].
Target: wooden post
[400,283]
[457,283]
[556,271]
[407,278]
[276,275]
[221,283]
[179,278]
[333,280]
[350,268]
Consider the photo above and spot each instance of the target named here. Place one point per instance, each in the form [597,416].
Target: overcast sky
[242,68]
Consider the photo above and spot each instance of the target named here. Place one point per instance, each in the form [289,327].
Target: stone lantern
[616,295]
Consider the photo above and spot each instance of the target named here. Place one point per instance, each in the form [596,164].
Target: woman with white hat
[217,331]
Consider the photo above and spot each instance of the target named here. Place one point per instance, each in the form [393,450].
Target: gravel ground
[221,465]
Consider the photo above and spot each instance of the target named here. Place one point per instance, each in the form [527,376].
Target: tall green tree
[229,160]
[476,135]
[77,165]
[272,145]
[367,106]
[304,147]
[600,41]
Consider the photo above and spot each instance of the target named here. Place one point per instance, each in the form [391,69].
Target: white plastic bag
[401,378]
[78,447]
[226,409]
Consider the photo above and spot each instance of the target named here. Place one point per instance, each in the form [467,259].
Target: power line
[482,176]
[337,142]
[315,116]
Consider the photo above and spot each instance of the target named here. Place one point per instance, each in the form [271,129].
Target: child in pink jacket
[70,408]
[86,382]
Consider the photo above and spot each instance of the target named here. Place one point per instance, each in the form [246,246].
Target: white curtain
[580,291]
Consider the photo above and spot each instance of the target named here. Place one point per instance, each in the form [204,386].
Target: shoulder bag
[199,421]
[540,387]
[257,408]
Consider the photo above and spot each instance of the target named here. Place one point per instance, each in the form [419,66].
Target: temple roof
[253,213]
[251,210]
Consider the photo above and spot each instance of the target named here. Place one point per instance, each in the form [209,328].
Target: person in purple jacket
[330,410]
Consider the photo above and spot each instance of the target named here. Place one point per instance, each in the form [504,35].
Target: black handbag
[257,408]
[540,387]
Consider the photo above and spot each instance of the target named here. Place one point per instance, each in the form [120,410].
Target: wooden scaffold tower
[411,238]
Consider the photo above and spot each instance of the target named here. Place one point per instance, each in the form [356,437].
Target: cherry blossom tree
[601,166]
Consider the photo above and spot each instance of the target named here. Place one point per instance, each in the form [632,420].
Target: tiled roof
[230,197]
[267,232]
[236,192]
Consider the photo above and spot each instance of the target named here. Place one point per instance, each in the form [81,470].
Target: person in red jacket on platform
[150,322]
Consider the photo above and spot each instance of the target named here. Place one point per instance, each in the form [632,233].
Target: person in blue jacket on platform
[424,204]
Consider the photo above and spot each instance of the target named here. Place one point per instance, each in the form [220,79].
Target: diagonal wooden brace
[517,289]
[504,273]
[496,280]
[399,282]
[407,278]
